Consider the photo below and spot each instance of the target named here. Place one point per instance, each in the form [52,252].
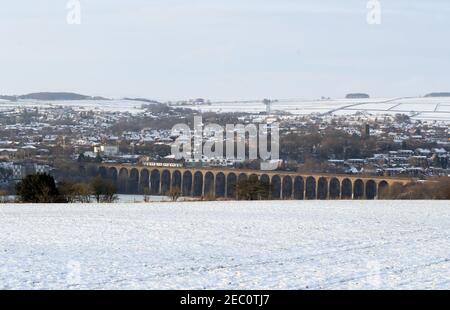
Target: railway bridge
[222,182]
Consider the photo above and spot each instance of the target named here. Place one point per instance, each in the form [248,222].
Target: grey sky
[225,49]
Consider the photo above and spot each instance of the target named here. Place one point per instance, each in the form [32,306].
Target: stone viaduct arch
[222,183]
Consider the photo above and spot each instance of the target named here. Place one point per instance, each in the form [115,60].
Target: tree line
[42,188]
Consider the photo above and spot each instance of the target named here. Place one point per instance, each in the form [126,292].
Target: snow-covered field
[418,108]
[227,245]
[118,105]
[421,108]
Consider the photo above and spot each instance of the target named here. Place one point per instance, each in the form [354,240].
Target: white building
[107,150]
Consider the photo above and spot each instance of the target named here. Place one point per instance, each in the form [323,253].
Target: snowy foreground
[226,245]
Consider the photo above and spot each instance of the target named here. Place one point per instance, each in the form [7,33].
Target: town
[58,138]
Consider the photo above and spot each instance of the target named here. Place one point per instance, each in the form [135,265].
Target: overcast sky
[225,49]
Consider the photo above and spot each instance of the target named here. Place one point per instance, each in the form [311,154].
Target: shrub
[175,193]
[436,188]
[103,190]
[76,192]
[253,189]
[38,188]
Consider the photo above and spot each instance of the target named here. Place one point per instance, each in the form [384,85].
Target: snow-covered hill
[227,245]
[423,108]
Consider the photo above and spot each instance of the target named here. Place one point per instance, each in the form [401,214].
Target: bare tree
[103,190]
[146,194]
[175,193]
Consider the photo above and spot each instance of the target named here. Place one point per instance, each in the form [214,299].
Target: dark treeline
[42,188]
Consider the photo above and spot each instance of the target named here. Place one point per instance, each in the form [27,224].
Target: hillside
[52,96]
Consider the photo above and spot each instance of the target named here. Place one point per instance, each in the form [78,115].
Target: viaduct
[221,182]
